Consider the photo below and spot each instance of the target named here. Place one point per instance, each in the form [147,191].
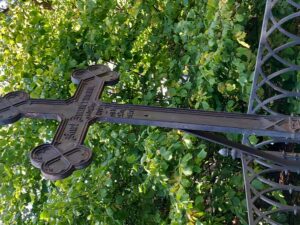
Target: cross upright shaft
[66,152]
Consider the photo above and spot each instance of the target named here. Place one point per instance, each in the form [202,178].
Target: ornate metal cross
[66,152]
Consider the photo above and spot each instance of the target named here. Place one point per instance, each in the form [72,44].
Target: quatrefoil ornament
[58,163]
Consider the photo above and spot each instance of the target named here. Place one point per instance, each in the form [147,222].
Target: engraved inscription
[71,131]
[100,111]
[120,113]
[88,94]
[90,110]
[114,112]
[84,105]
[130,114]
[80,112]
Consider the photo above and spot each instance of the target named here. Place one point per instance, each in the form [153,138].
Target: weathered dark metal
[66,152]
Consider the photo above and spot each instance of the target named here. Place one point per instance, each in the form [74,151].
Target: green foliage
[172,53]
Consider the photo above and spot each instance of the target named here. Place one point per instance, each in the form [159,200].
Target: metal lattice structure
[272,191]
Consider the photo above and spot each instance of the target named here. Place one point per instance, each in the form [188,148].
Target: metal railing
[272,191]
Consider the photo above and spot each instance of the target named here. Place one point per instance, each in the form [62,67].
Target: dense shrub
[172,53]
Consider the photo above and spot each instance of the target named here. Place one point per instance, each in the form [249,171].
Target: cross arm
[16,105]
[276,126]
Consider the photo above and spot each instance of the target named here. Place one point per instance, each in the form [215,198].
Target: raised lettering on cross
[66,152]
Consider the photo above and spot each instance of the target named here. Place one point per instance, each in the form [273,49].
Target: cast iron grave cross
[66,152]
